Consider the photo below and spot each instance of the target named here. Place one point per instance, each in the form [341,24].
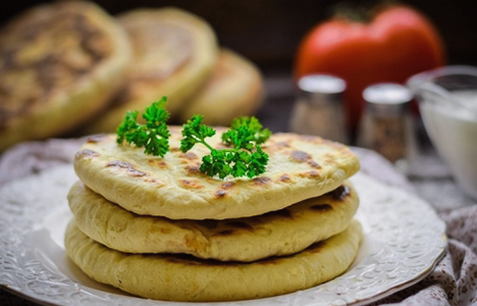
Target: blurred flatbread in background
[174,53]
[59,65]
[234,89]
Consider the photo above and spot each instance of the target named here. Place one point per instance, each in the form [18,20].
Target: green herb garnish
[153,136]
[244,158]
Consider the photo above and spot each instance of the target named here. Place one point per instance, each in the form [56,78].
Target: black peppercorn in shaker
[386,126]
[319,108]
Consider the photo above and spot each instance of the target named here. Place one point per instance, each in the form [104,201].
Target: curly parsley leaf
[153,136]
[246,133]
[244,158]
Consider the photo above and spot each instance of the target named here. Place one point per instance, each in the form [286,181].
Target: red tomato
[396,44]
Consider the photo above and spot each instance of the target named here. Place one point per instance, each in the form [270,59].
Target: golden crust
[59,64]
[281,232]
[234,89]
[184,278]
[175,52]
[300,167]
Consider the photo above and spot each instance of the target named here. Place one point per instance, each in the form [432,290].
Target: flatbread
[281,232]
[234,89]
[184,278]
[59,65]
[300,167]
[175,52]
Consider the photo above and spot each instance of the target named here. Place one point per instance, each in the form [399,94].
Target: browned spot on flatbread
[285,213]
[340,193]
[159,163]
[159,229]
[86,153]
[125,165]
[118,163]
[190,156]
[299,156]
[309,174]
[261,180]
[165,230]
[191,184]
[220,193]
[285,178]
[193,169]
[313,164]
[187,157]
[153,181]
[321,207]
[95,138]
[227,185]
[192,243]
[240,224]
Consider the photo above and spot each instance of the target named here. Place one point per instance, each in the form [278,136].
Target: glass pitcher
[448,102]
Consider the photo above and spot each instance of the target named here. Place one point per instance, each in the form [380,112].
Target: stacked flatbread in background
[69,66]
[159,228]
[176,55]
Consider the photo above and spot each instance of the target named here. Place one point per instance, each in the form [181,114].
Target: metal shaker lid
[387,97]
[319,88]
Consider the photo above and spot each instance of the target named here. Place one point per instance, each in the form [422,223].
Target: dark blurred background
[268,31]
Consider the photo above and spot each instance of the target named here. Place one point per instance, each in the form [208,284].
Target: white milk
[453,130]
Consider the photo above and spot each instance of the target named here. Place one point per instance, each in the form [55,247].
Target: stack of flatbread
[159,228]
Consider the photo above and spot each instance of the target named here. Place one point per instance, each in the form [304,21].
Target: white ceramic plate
[404,239]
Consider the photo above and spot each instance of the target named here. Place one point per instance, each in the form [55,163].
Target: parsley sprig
[245,156]
[153,136]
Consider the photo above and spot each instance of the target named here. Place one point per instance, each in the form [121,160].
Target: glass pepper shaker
[319,108]
[386,126]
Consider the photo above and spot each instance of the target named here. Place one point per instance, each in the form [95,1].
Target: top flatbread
[300,167]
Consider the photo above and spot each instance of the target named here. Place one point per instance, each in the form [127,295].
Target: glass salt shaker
[319,108]
[386,126]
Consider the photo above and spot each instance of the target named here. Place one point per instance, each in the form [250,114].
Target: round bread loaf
[299,168]
[185,278]
[280,232]
[174,53]
[59,65]
[234,89]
